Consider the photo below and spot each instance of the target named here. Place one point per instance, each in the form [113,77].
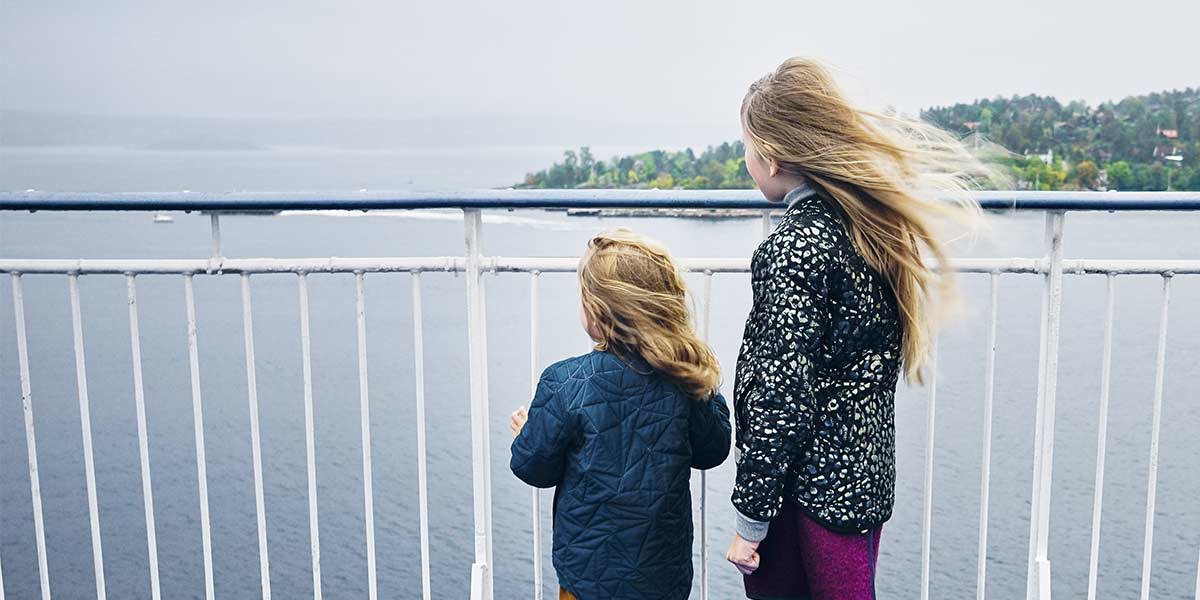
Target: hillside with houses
[1149,143]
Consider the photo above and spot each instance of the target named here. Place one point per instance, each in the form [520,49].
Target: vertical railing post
[1101,435]
[189,293]
[930,429]
[481,570]
[1155,427]
[39,526]
[534,366]
[1038,573]
[364,411]
[705,320]
[422,476]
[310,446]
[85,422]
[215,235]
[260,511]
[215,259]
[1031,582]
[139,399]
[988,401]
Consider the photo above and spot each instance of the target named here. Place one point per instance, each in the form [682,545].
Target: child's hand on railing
[517,420]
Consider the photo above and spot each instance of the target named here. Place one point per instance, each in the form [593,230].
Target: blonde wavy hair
[635,300]
[895,178]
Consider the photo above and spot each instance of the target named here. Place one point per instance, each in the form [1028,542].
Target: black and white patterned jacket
[816,377]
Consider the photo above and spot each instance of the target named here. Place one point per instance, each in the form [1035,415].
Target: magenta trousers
[800,559]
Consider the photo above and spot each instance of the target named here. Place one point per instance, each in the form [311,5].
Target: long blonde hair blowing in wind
[635,300]
[894,177]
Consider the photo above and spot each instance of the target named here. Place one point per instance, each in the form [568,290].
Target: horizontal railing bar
[376,200]
[570,264]
[231,266]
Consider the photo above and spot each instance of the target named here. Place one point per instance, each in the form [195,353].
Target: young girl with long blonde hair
[843,304]
[618,430]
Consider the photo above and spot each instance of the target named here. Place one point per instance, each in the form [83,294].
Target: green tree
[587,163]
[664,181]
[1191,177]
[1151,178]
[1120,176]
[1086,175]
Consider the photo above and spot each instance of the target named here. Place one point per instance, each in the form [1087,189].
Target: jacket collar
[631,358]
[799,194]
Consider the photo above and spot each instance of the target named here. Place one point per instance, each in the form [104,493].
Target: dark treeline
[1149,143]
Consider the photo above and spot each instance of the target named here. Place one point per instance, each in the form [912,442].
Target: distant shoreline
[687,213]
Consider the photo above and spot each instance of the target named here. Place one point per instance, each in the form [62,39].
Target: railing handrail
[511,198]
[528,264]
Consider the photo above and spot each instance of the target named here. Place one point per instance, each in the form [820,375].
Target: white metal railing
[198,427]
[1052,267]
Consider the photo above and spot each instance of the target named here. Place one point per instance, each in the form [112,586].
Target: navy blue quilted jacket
[619,441]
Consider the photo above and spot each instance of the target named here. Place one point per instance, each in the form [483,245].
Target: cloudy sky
[641,64]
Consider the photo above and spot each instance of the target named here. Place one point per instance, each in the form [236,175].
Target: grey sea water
[959,424]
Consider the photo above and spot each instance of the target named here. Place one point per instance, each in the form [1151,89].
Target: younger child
[618,430]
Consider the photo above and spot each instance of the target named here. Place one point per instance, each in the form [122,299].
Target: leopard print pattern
[816,375]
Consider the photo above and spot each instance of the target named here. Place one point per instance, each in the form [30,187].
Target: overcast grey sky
[619,61]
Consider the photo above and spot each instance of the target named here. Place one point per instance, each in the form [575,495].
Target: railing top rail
[501,199]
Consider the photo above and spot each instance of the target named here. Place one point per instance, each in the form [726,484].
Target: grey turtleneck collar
[799,193]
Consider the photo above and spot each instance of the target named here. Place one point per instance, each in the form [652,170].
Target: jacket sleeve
[539,451]
[794,313]
[709,430]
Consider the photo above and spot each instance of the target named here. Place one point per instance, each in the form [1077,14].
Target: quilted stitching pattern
[816,377]
[619,442]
